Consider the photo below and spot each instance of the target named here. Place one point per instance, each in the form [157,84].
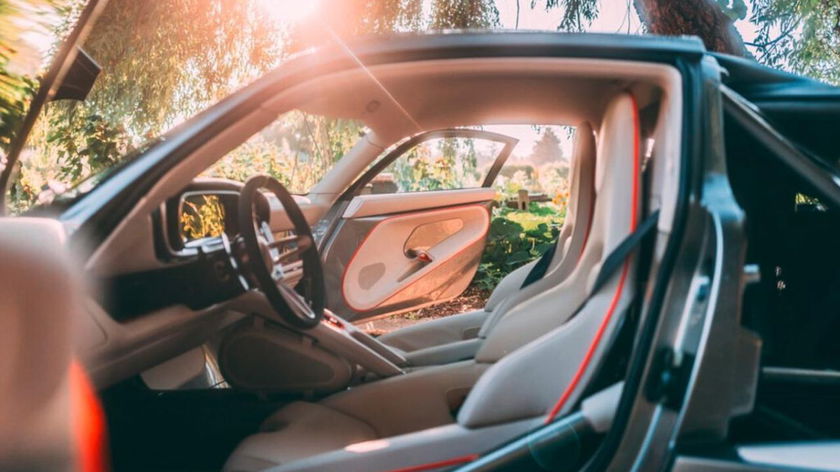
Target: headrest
[618,173]
[581,200]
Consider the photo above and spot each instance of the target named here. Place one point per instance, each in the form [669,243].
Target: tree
[711,20]
[547,149]
[198,51]
[800,35]
[464,14]
[167,59]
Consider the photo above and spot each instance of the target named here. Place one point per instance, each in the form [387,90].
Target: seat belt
[616,259]
[612,262]
[540,268]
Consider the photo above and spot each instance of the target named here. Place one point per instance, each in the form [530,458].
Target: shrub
[516,238]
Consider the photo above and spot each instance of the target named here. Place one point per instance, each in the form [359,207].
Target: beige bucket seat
[531,368]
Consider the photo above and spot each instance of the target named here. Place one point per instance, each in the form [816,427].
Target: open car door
[411,230]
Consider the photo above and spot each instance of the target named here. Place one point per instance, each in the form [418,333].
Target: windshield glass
[163,61]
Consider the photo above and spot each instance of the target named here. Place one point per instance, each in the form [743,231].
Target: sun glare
[289,11]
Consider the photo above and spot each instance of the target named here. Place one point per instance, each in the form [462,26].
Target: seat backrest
[546,356]
[571,240]
[50,416]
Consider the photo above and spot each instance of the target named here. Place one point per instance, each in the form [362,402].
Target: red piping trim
[437,465]
[88,422]
[443,261]
[587,358]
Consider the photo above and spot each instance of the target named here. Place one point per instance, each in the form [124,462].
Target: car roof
[758,81]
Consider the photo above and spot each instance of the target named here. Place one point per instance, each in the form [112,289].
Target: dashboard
[195,269]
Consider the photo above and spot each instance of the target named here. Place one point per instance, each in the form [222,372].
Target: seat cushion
[437,332]
[296,431]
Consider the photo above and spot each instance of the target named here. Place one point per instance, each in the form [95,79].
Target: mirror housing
[79,79]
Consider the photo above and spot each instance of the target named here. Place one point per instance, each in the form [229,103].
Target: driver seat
[510,292]
[532,367]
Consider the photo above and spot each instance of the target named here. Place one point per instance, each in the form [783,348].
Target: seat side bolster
[529,381]
[418,400]
[443,443]
[509,285]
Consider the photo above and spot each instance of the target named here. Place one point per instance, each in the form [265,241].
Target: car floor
[181,430]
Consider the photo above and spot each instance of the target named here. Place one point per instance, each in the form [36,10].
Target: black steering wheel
[287,269]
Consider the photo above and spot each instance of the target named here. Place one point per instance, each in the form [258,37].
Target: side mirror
[79,79]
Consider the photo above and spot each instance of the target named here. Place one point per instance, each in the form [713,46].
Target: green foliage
[439,164]
[802,36]
[15,92]
[297,149]
[19,61]
[167,59]
[516,238]
[464,14]
[87,145]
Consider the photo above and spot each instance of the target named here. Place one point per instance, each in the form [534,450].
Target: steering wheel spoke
[278,265]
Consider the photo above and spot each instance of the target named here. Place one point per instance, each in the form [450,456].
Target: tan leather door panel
[404,261]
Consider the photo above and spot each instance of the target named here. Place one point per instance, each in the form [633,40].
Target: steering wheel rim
[264,260]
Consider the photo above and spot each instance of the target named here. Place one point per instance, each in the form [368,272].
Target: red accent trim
[587,358]
[88,423]
[406,215]
[437,465]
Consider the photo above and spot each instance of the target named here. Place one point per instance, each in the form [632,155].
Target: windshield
[163,61]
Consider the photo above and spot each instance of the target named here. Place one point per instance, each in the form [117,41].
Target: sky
[528,136]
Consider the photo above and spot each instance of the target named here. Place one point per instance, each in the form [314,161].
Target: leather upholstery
[562,347]
[297,431]
[537,359]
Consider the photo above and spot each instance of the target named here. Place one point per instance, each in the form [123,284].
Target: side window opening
[442,163]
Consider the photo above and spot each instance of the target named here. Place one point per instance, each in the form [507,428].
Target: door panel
[403,261]
[383,272]
[411,230]
[382,204]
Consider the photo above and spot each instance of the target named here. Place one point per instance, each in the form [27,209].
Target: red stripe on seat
[88,423]
[596,340]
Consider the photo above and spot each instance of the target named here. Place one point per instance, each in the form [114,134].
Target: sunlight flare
[289,11]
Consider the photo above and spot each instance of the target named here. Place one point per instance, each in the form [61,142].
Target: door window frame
[377,168]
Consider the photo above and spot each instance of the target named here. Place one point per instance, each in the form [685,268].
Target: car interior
[206,356]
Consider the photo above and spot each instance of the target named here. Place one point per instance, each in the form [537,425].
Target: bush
[516,238]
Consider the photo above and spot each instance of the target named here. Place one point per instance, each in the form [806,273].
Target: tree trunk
[702,18]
